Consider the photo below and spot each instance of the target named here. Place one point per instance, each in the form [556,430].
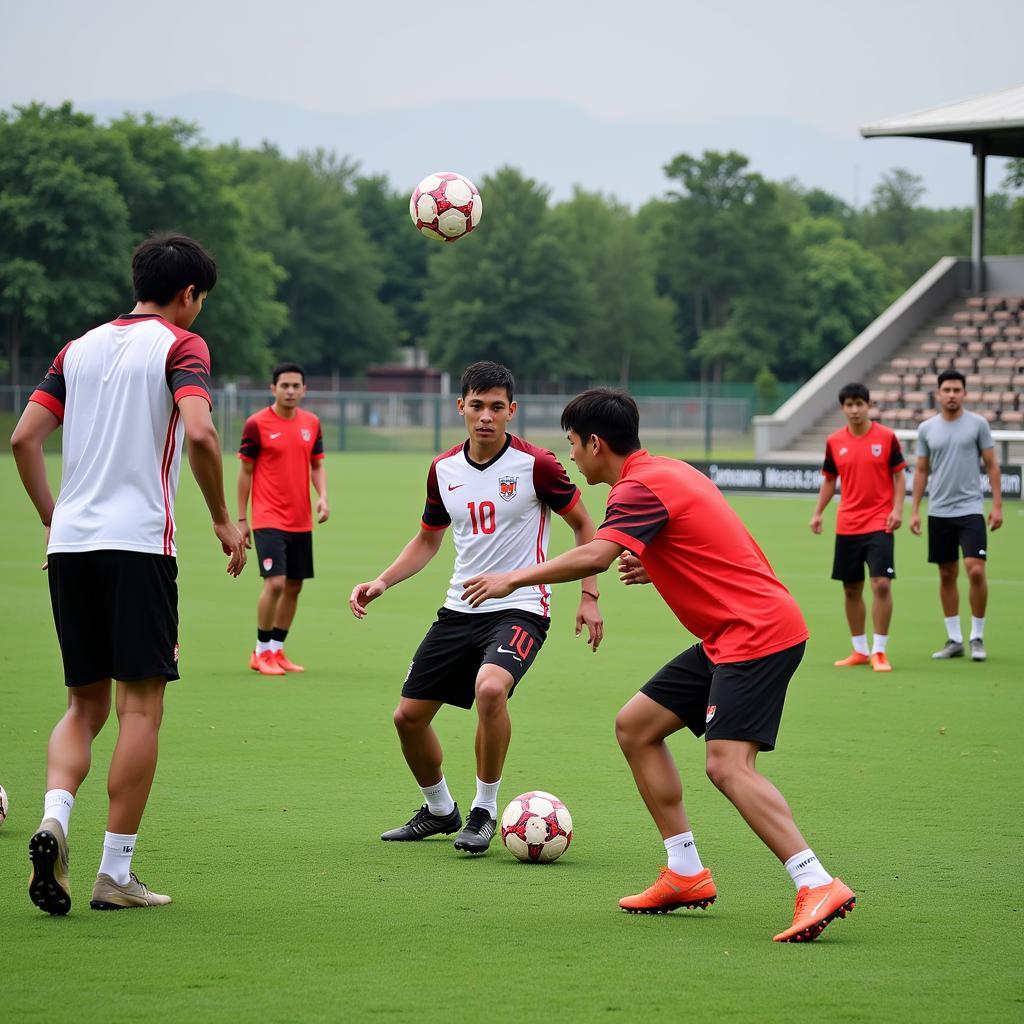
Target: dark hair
[854,391]
[609,413]
[288,368]
[951,375]
[163,265]
[486,376]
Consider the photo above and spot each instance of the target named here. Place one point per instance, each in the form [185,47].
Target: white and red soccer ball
[445,206]
[4,805]
[536,827]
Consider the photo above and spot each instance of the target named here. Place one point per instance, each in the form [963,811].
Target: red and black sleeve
[896,459]
[188,368]
[435,515]
[249,449]
[634,516]
[552,484]
[828,467]
[52,391]
[318,445]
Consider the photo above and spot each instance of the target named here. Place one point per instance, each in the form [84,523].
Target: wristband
[589,593]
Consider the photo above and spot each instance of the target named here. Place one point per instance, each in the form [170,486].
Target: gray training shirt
[953,448]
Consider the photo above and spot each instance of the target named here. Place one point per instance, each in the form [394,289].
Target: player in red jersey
[128,393]
[670,526]
[282,451]
[497,492]
[868,459]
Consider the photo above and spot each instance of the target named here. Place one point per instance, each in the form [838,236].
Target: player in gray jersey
[948,449]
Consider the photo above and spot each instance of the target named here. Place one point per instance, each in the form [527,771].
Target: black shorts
[116,614]
[447,661]
[284,553]
[740,700]
[948,534]
[853,550]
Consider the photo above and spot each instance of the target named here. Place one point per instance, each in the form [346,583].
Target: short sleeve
[634,516]
[923,450]
[552,483]
[828,467]
[896,460]
[435,515]
[188,368]
[318,445]
[249,449]
[51,392]
[984,435]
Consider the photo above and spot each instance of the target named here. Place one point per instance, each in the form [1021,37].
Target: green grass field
[270,796]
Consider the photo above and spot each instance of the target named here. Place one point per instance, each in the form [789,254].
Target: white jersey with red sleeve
[116,389]
[500,513]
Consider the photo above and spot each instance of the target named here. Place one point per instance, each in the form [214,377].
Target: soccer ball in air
[445,206]
[3,804]
[536,827]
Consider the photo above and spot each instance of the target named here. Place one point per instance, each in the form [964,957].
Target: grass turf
[270,795]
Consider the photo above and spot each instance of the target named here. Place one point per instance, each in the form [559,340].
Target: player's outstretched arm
[920,481]
[37,423]
[413,557]
[576,564]
[825,494]
[204,458]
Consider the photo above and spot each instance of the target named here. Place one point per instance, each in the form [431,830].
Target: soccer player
[869,460]
[948,448]
[128,393]
[498,493]
[670,526]
[282,450]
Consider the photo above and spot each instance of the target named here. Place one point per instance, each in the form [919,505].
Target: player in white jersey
[127,393]
[497,492]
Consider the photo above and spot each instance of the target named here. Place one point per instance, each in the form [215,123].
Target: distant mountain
[562,146]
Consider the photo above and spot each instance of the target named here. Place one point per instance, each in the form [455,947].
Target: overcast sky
[832,65]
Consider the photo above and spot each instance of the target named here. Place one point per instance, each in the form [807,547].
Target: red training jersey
[701,559]
[282,450]
[866,465]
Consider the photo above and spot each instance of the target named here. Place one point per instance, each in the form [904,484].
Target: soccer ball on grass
[4,804]
[445,206]
[536,827]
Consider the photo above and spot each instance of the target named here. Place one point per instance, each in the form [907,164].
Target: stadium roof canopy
[993,124]
[995,119]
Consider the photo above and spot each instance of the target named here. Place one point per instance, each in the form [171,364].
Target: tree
[628,329]
[509,291]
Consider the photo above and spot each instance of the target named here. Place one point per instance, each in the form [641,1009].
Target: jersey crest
[876,450]
[306,435]
[507,487]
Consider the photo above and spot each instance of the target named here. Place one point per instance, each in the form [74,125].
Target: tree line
[727,276]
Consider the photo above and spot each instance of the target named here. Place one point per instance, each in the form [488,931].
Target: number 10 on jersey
[482,516]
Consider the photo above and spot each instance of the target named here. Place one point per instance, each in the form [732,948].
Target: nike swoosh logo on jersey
[272,436]
[455,487]
[508,650]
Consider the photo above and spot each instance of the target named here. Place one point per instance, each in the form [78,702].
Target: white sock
[683,858]
[860,644]
[439,800]
[953,630]
[263,646]
[117,856]
[805,869]
[879,642]
[276,645]
[58,804]
[977,628]
[487,796]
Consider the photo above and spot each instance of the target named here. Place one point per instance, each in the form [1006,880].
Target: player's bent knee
[491,696]
[881,587]
[293,586]
[275,584]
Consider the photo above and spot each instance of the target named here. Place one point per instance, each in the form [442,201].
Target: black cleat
[424,824]
[478,833]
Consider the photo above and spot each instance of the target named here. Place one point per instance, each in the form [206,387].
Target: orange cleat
[673,892]
[266,664]
[815,908]
[855,658]
[288,666]
[880,663]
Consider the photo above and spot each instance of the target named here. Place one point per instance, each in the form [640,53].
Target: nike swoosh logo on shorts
[508,650]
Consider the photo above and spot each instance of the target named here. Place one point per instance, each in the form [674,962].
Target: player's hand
[323,513]
[363,593]
[588,614]
[631,571]
[487,587]
[243,528]
[815,523]
[232,544]
[915,523]
[995,519]
[894,521]
[46,544]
